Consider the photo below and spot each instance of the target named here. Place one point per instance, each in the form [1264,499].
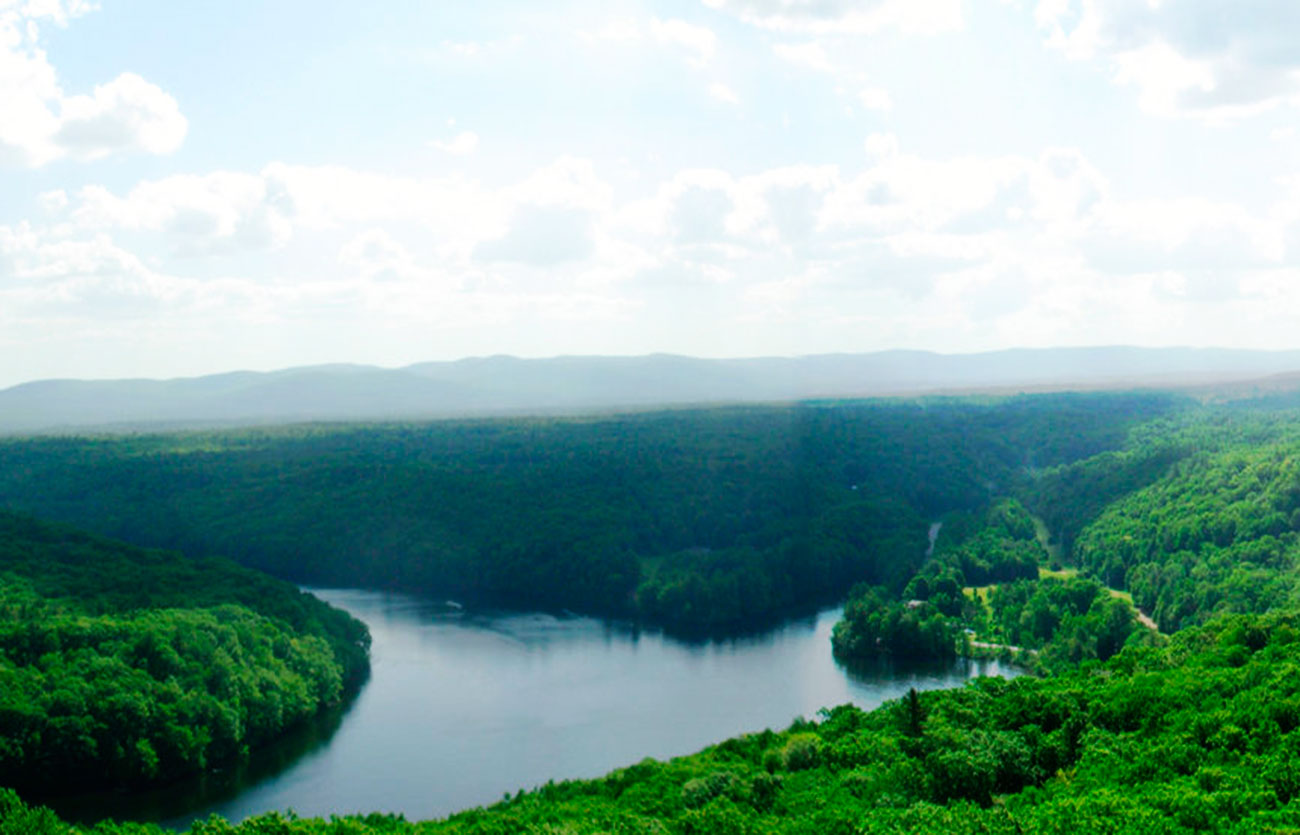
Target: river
[463,707]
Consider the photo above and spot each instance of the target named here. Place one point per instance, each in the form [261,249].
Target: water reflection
[463,707]
[210,788]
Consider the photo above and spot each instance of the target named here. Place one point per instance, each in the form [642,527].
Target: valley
[664,552]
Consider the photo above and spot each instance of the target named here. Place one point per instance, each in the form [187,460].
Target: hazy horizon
[344,364]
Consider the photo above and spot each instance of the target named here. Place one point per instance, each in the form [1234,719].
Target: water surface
[462,708]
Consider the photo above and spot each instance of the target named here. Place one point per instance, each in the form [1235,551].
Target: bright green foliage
[1198,736]
[120,666]
[1219,534]
[995,544]
[1070,620]
[103,576]
[126,699]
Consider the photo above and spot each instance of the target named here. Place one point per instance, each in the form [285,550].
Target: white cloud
[542,237]
[1163,76]
[875,98]
[847,17]
[698,42]
[42,123]
[809,55]
[700,214]
[55,200]
[566,183]
[128,113]
[88,277]
[812,56]
[377,255]
[993,249]
[464,143]
[723,93]
[920,214]
[1186,57]
[544,218]
[881,144]
[218,212]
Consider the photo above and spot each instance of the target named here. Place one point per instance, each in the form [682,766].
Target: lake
[464,707]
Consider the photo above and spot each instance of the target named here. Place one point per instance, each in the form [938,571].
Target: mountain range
[504,385]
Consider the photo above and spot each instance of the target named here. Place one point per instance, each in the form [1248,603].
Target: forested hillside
[1056,515]
[1194,517]
[1198,736]
[121,666]
[696,520]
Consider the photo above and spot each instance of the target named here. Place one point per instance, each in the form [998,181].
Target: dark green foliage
[1067,498]
[696,520]
[702,588]
[996,545]
[1201,735]
[914,713]
[121,666]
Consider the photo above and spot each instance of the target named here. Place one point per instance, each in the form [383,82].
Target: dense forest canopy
[1194,517]
[121,666]
[698,520]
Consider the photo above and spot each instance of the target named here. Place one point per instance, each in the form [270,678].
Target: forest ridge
[702,521]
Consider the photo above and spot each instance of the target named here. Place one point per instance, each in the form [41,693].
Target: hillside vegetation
[699,521]
[1201,516]
[983,589]
[121,666]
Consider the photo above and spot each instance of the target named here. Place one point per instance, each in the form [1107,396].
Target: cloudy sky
[188,188]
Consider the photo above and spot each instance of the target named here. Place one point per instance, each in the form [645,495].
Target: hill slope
[121,666]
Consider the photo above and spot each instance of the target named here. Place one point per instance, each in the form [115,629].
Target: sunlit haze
[189,188]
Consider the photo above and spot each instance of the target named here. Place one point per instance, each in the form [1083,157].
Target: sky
[194,188]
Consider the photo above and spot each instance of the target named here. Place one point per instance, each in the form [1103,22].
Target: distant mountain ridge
[501,385]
